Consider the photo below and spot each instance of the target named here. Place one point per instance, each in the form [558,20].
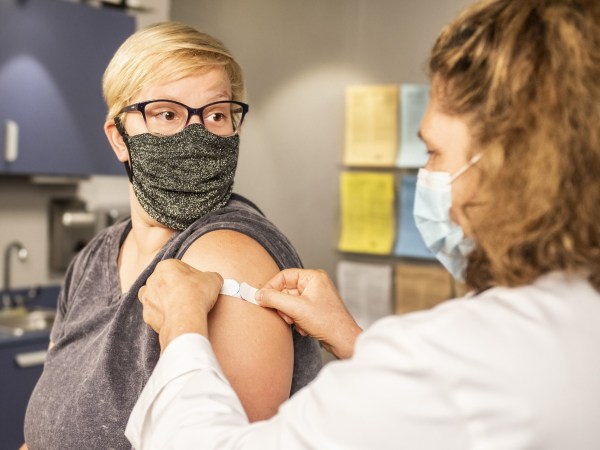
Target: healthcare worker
[510,201]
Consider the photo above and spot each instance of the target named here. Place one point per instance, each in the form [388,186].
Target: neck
[144,241]
[147,235]
[147,239]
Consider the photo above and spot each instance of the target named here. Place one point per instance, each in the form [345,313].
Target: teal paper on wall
[412,152]
[408,239]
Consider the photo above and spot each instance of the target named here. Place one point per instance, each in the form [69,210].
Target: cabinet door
[52,57]
[16,384]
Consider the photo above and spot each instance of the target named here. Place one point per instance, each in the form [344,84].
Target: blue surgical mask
[446,239]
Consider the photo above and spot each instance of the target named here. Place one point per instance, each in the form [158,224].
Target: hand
[177,299]
[309,300]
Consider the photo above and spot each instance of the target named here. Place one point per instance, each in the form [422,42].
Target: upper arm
[253,345]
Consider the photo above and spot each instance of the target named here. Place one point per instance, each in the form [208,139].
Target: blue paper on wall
[413,104]
[408,241]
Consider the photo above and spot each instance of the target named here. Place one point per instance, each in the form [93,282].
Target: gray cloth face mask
[178,179]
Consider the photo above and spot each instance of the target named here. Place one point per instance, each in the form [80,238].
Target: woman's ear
[116,141]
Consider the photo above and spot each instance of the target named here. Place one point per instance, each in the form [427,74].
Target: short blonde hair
[525,74]
[163,52]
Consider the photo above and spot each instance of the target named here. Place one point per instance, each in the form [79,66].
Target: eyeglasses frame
[141,107]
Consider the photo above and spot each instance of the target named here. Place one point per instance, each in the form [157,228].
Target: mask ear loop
[474,160]
[466,167]
[121,129]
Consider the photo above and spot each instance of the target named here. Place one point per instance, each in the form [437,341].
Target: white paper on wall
[366,290]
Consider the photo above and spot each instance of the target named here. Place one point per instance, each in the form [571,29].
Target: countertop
[47,297]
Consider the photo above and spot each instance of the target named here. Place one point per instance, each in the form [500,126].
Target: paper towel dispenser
[72,226]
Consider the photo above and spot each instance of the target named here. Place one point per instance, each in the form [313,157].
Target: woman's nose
[195,119]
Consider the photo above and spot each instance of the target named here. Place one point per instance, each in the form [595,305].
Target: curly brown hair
[526,75]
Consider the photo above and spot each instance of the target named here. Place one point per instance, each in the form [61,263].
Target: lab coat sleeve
[384,397]
[188,400]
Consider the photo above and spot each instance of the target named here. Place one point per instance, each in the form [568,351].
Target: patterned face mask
[179,178]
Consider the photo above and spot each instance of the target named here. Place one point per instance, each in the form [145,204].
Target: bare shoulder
[233,255]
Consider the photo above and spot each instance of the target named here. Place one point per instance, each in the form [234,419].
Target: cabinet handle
[11,141]
[31,359]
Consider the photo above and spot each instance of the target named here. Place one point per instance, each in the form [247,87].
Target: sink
[21,321]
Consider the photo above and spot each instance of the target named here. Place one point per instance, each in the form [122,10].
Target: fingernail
[258,295]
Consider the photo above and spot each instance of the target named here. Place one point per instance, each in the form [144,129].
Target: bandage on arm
[233,288]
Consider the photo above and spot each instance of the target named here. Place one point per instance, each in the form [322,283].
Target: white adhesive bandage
[244,291]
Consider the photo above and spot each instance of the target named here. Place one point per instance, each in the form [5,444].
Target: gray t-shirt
[104,352]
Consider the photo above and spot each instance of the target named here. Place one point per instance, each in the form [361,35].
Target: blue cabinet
[52,57]
[16,384]
[20,368]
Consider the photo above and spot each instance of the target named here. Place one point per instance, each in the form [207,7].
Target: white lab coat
[509,369]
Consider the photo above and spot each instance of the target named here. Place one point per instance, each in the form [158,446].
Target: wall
[298,57]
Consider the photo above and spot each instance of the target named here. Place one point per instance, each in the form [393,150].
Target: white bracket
[31,359]
[11,141]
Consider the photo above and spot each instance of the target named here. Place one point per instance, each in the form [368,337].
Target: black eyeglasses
[167,117]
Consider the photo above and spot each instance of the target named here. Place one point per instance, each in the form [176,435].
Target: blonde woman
[176,104]
[509,200]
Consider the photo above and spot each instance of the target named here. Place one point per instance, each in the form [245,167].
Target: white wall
[298,57]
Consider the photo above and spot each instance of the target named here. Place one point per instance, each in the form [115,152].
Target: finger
[165,265]
[289,305]
[141,293]
[285,318]
[286,278]
[217,278]
[147,313]
[301,331]
[294,292]
[171,267]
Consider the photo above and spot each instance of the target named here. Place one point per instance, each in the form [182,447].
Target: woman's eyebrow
[220,95]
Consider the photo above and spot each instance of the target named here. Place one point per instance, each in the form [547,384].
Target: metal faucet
[7,300]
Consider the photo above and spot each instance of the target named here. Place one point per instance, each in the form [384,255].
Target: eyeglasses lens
[167,118]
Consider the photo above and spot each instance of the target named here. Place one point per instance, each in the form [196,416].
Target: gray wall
[298,57]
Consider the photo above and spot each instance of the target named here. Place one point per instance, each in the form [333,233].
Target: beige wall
[298,57]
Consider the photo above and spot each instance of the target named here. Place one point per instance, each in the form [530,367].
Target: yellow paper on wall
[367,207]
[371,131]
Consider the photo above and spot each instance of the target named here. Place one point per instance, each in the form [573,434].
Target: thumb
[290,305]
